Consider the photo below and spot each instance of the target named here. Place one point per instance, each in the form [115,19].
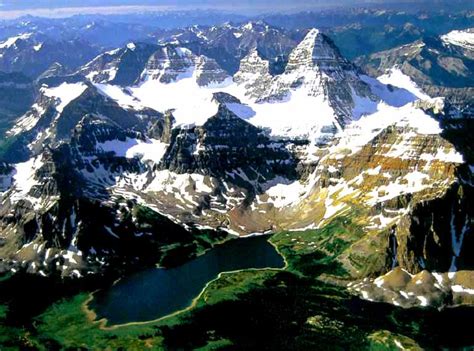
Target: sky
[64,8]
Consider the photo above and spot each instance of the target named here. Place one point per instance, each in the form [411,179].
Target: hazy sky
[62,8]
[28,4]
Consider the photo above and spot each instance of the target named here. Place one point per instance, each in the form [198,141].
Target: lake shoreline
[103,322]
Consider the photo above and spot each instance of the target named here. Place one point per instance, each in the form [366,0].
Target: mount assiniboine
[152,139]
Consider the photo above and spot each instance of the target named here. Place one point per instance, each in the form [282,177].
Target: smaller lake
[155,293]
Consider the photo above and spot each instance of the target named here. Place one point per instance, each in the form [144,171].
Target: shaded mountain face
[152,148]
[33,53]
[441,65]
[16,97]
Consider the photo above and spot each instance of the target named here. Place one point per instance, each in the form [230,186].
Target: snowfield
[12,41]
[66,92]
[300,114]
[395,77]
[461,38]
[193,104]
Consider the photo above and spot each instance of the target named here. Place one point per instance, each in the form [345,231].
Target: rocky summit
[154,152]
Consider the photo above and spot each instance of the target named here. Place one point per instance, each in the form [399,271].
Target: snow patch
[120,95]
[286,194]
[66,93]
[462,290]
[151,149]
[192,104]
[24,177]
[461,38]
[395,77]
[12,41]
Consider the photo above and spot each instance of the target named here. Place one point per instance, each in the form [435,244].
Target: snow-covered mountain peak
[314,50]
[169,64]
[131,46]
[253,74]
[463,38]
[310,39]
[256,26]
[12,41]
[253,63]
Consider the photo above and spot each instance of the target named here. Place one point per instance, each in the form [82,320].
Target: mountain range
[158,150]
[166,129]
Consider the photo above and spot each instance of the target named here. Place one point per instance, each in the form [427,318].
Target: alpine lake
[156,292]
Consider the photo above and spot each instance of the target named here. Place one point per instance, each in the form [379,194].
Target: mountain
[33,53]
[192,72]
[150,154]
[316,69]
[228,44]
[156,152]
[442,65]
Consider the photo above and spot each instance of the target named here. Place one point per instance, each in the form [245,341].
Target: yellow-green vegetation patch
[368,255]
[384,340]
[68,324]
[229,285]
[313,252]
[215,345]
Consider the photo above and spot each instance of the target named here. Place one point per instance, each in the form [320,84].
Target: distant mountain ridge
[441,65]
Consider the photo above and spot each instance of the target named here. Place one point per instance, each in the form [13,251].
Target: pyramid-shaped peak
[313,50]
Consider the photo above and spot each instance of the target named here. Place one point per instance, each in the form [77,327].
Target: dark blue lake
[155,293]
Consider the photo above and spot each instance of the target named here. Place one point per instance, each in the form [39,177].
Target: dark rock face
[225,144]
[6,171]
[438,234]
[121,67]
[57,74]
[162,128]
[59,125]
[93,102]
